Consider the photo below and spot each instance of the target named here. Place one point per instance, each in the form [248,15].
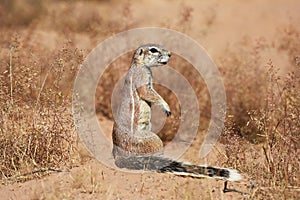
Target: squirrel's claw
[168,113]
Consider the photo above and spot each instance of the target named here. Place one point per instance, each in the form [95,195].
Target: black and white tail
[164,165]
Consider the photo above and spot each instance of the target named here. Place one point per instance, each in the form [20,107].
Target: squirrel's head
[151,55]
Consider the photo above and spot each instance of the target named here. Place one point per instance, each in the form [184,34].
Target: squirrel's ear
[141,52]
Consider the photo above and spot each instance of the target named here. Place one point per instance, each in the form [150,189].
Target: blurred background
[255,44]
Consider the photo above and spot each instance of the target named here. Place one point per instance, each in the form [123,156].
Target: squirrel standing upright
[135,146]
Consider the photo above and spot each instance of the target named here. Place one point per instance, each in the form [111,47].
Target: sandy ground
[93,180]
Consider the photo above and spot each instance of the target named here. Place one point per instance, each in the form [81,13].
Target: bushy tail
[164,165]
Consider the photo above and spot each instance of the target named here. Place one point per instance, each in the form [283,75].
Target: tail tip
[234,175]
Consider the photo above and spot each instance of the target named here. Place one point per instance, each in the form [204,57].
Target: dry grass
[265,112]
[36,125]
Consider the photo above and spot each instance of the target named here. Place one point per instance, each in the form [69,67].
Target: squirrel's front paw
[167,110]
[168,113]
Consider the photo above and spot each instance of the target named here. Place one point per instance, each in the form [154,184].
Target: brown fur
[134,143]
[132,129]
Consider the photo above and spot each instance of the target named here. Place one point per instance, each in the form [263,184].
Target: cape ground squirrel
[134,143]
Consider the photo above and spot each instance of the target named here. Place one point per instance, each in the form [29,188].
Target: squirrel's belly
[144,116]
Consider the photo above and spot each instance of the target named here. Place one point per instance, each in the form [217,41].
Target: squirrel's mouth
[163,60]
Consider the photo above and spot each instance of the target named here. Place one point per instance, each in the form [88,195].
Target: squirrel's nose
[169,54]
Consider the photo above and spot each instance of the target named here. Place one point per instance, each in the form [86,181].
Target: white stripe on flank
[132,102]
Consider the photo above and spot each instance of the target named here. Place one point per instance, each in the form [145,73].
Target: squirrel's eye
[153,50]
